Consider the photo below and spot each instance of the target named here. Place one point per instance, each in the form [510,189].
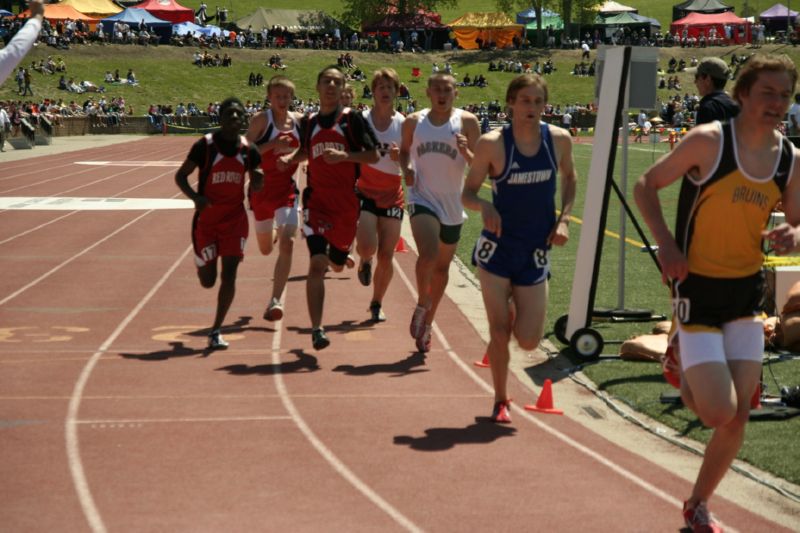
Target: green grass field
[167,76]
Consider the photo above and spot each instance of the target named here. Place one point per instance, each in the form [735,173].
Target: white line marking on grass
[323,450]
[71,422]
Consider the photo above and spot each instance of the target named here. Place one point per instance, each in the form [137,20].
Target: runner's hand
[283,163]
[283,145]
[333,156]
[674,265]
[560,234]
[461,142]
[783,237]
[409,178]
[394,152]
[200,202]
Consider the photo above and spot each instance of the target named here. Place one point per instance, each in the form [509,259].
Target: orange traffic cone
[545,402]
[401,247]
[483,363]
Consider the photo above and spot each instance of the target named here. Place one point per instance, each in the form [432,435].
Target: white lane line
[323,450]
[40,226]
[91,203]
[71,259]
[627,474]
[74,257]
[71,422]
[179,420]
[77,172]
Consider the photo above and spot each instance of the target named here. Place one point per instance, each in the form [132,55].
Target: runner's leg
[227,289]
[441,275]
[425,229]
[283,265]
[495,291]
[388,235]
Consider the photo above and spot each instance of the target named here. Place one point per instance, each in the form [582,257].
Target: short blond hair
[280,80]
[349,89]
[442,76]
[385,73]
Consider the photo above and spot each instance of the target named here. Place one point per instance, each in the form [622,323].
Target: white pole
[622,213]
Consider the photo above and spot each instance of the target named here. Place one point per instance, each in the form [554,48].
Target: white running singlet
[438,168]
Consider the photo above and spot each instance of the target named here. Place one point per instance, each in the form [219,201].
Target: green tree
[510,6]
[358,12]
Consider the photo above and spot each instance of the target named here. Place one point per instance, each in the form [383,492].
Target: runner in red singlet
[276,131]
[219,227]
[335,141]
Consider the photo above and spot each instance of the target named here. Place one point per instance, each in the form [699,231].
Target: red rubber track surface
[114,417]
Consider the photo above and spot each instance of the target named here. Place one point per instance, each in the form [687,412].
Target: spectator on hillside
[131,77]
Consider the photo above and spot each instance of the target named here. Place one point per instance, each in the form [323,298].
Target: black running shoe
[318,339]
[365,273]
[376,312]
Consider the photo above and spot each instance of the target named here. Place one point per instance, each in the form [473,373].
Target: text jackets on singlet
[221,180]
[381,181]
[278,185]
[332,186]
[439,168]
[720,218]
[524,194]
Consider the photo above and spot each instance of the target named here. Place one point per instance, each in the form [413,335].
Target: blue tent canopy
[4,13]
[133,16]
[529,15]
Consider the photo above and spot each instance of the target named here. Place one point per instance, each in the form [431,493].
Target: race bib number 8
[484,249]
[541,258]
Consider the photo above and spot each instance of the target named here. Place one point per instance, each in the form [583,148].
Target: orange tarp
[489,27]
[61,12]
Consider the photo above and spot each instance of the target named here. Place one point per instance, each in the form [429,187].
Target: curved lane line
[323,450]
[71,422]
[627,474]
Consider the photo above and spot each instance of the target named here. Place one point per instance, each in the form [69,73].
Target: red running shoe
[501,413]
[699,520]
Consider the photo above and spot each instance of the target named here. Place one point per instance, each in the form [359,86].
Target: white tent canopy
[610,6]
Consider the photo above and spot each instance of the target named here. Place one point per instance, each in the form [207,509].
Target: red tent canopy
[168,10]
[699,24]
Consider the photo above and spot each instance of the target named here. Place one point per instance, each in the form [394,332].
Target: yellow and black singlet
[720,218]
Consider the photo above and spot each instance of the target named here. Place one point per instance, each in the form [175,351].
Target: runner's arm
[407,137]
[569,184]
[483,164]
[692,154]
[472,131]
[785,238]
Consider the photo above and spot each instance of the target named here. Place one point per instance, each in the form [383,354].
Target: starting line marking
[65,203]
[174,164]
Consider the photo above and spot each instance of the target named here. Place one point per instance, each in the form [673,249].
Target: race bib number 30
[681,309]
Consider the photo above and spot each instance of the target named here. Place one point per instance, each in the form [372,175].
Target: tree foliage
[359,12]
